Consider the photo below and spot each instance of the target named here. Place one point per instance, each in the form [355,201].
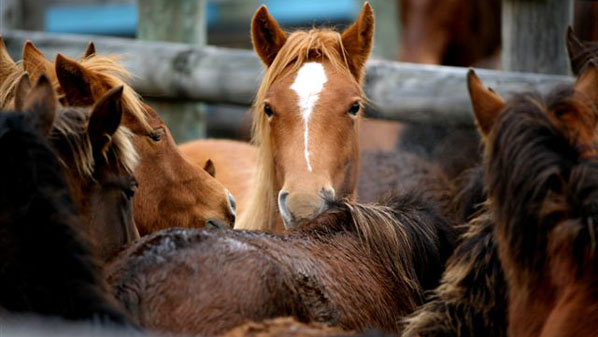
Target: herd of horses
[105,220]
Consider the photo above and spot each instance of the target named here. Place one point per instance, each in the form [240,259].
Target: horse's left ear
[358,41]
[75,81]
[22,89]
[90,50]
[587,82]
[36,63]
[486,103]
[7,64]
[40,106]
[574,47]
[266,35]
[210,168]
[105,119]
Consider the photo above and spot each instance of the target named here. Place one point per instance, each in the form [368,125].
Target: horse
[97,157]
[187,194]
[353,266]
[456,32]
[311,94]
[580,52]
[46,265]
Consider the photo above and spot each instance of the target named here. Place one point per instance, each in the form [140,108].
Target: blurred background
[441,32]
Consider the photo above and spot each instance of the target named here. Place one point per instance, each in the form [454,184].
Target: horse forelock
[299,48]
[69,133]
[528,161]
[108,71]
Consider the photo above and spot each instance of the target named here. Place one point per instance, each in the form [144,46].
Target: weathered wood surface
[176,21]
[533,35]
[397,91]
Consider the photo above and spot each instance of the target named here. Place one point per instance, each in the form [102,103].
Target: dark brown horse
[354,266]
[97,157]
[46,266]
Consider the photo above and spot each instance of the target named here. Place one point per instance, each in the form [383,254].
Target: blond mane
[300,47]
[70,136]
[108,71]
[10,76]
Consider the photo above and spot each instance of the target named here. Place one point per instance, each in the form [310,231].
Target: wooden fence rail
[397,91]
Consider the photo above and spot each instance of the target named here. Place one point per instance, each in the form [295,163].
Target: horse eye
[131,189]
[354,109]
[268,110]
[156,135]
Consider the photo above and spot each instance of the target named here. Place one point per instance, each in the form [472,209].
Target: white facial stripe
[308,85]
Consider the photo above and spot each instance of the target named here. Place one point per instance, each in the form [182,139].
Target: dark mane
[46,266]
[527,163]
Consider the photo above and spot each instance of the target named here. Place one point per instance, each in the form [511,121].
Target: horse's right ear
[36,63]
[40,106]
[210,168]
[486,103]
[75,81]
[266,35]
[105,119]
[358,40]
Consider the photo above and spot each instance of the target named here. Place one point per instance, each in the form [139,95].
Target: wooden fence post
[533,35]
[176,21]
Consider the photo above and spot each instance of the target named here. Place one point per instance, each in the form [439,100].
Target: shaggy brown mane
[300,47]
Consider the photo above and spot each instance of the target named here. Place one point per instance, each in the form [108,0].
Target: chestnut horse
[353,266]
[172,191]
[306,118]
[47,267]
[97,157]
[450,32]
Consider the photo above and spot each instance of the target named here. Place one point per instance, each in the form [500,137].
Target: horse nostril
[282,206]
[232,203]
[212,223]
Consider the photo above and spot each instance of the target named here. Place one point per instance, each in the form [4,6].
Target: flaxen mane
[300,47]
[108,72]
[69,136]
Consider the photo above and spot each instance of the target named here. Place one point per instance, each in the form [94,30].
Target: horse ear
[40,106]
[22,88]
[105,119]
[574,47]
[266,35]
[358,40]
[90,50]
[210,168]
[587,82]
[7,64]
[35,62]
[75,81]
[486,103]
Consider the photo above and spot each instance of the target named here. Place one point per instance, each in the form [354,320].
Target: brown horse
[450,32]
[306,117]
[353,266]
[539,173]
[172,191]
[98,159]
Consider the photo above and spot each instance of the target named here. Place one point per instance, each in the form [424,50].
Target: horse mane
[530,199]
[300,47]
[11,75]
[107,70]
[48,267]
[69,133]
[406,233]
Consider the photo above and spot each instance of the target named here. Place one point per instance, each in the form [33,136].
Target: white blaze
[308,85]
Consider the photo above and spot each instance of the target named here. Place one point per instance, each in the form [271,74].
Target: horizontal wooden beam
[396,91]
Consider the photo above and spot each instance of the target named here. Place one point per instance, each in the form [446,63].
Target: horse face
[187,195]
[313,118]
